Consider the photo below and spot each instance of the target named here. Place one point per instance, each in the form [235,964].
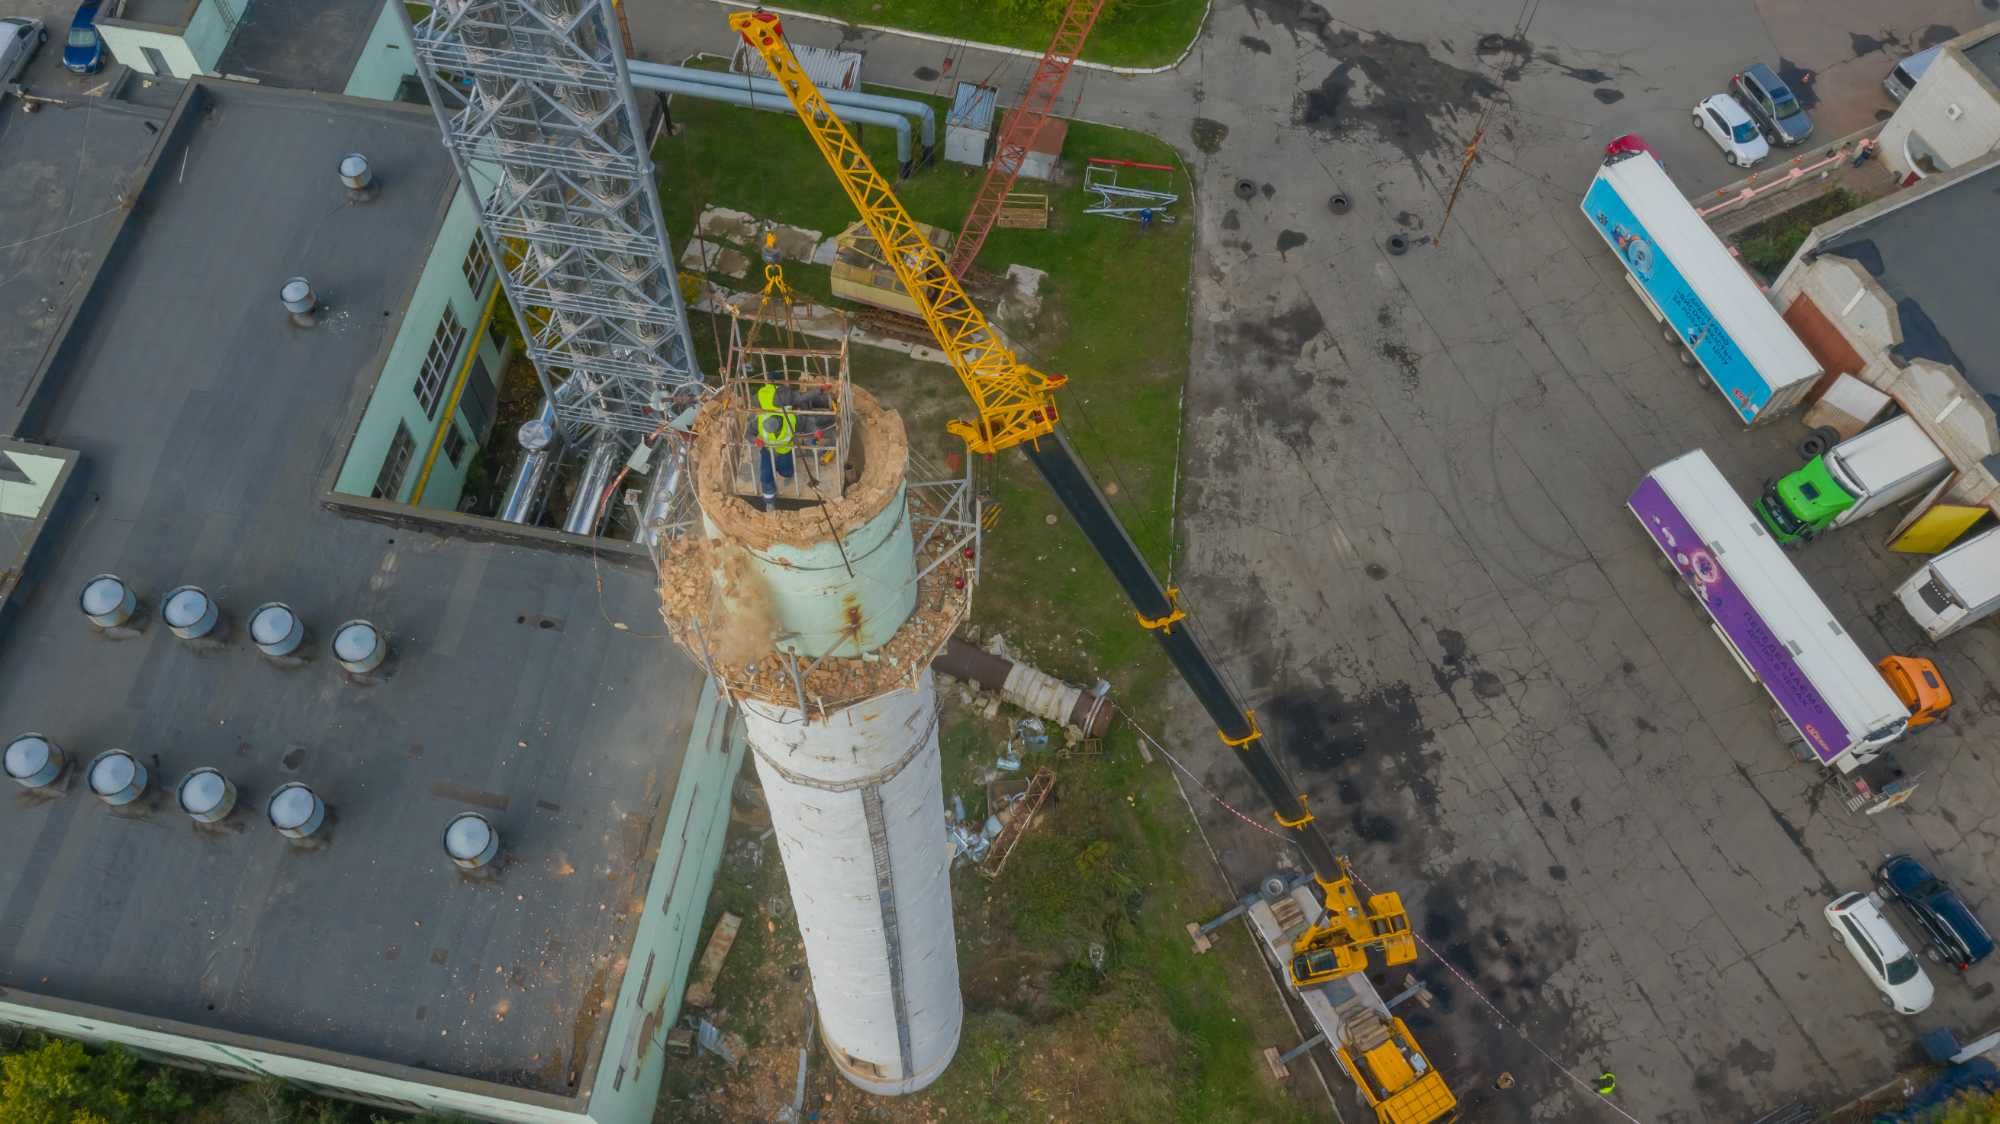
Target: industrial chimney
[819,619]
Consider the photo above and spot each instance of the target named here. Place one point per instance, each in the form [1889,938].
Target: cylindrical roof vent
[108,601]
[296,811]
[356,176]
[116,777]
[276,630]
[206,795]
[190,612]
[359,646]
[470,840]
[34,761]
[299,300]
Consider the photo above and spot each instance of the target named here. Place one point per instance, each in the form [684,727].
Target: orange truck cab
[1917,683]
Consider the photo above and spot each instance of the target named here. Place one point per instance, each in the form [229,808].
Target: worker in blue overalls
[775,429]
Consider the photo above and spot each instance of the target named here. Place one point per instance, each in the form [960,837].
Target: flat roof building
[1898,294]
[200,430]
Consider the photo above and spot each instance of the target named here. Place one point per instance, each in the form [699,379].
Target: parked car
[1903,76]
[1772,105]
[83,51]
[1953,934]
[1859,925]
[19,38]
[1726,122]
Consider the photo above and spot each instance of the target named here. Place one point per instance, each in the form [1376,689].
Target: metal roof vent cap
[357,177]
[359,646]
[190,612]
[536,435]
[299,299]
[276,629]
[206,795]
[108,601]
[116,777]
[470,840]
[34,761]
[296,811]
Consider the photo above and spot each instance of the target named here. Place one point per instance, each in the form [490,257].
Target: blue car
[1954,935]
[83,51]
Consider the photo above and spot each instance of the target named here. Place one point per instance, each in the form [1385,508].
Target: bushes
[61,1082]
[1766,246]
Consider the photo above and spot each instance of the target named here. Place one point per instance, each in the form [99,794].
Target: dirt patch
[1209,134]
[1409,92]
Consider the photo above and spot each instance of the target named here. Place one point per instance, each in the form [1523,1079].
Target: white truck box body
[1780,631]
[1886,464]
[1692,284]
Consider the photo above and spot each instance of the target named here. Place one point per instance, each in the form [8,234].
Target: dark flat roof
[208,429]
[65,169]
[303,44]
[1938,257]
[1985,55]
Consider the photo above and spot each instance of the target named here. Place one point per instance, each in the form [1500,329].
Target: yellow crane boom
[1011,397]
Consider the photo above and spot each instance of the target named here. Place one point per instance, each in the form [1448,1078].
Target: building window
[454,444]
[395,466]
[478,264]
[439,362]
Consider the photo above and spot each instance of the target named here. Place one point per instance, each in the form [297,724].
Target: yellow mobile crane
[1015,406]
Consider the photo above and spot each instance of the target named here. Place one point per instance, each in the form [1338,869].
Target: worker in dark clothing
[1607,1083]
[776,427]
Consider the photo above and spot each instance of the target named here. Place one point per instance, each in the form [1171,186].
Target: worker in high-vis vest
[776,427]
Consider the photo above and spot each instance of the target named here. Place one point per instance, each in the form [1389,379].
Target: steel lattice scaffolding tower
[537,110]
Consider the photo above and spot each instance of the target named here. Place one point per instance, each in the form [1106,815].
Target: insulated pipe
[669,461]
[925,115]
[778,104]
[584,507]
[523,501]
[1041,695]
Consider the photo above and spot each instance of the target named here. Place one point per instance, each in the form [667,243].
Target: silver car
[22,37]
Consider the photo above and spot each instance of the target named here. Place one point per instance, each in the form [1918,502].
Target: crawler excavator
[1015,407]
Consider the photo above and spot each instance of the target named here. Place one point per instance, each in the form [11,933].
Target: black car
[1948,926]
[1771,104]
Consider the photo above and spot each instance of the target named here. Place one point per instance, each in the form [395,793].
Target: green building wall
[188,50]
[441,285]
[385,61]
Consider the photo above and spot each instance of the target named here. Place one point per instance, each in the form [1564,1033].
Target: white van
[1903,77]
[1957,587]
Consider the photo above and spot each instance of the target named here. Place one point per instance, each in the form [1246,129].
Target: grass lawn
[1127,33]
[1156,1033]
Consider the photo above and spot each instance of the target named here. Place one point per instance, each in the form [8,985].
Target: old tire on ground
[1819,441]
[1398,243]
[1246,189]
[1340,204]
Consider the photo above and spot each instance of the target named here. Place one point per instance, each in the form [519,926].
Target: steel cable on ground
[1519,1031]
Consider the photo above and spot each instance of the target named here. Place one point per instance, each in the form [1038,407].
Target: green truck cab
[1802,503]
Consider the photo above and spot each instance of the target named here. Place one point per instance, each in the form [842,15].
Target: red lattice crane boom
[1023,125]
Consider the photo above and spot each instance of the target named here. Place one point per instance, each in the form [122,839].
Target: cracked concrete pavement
[1405,536]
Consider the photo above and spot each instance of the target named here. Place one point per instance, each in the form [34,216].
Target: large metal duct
[776,103]
[925,116]
[588,502]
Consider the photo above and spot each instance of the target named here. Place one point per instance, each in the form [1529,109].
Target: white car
[1858,924]
[1728,124]
[19,37]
